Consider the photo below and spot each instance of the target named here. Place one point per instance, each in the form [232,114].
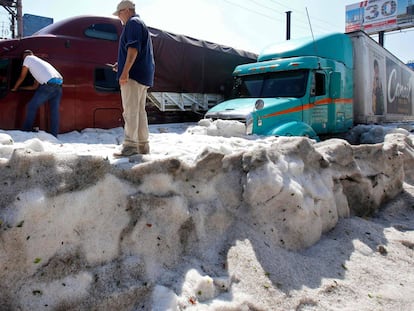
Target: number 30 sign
[380,10]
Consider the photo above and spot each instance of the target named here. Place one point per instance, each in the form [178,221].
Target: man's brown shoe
[144,148]
[126,151]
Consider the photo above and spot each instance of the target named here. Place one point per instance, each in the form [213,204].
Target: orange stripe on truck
[324,101]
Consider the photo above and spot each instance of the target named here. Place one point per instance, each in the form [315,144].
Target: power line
[300,22]
[253,11]
[390,33]
[263,6]
[302,13]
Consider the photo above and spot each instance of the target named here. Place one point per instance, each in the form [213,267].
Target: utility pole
[288,22]
[381,38]
[15,9]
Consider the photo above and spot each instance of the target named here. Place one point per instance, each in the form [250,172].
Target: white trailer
[383,84]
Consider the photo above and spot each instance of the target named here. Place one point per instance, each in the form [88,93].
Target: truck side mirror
[313,85]
[335,85]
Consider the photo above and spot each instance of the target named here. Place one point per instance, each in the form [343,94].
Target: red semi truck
[191,74]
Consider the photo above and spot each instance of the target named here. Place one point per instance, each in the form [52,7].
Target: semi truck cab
[300,88]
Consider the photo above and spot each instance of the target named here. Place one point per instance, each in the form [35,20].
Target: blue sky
[249,24]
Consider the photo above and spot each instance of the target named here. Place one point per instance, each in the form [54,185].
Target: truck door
[105,83]
[98,100]
[4,65]
[318,103]
[13,104]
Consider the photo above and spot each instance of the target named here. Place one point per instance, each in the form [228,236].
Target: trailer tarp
[187,65]
[182,64]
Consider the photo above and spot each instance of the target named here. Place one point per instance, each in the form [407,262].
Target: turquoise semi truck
[319,86]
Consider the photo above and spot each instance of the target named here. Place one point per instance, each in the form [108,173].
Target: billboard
[33,23]
[373,16]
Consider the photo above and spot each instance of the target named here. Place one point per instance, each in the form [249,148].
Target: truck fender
[294,128]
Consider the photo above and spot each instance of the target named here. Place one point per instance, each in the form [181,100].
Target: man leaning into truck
[48,85]
[135,72]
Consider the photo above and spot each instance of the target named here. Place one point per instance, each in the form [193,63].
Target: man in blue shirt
[135,72]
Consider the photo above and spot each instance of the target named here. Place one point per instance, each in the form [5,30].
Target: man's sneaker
[144,148]
[126,151]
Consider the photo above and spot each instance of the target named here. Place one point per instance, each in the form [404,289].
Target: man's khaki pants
[134,97]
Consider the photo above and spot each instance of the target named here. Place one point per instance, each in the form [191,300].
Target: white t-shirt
[41,70]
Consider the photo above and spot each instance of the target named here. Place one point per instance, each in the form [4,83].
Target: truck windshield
[272,84]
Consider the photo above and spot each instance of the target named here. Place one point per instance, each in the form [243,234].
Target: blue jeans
[45,92]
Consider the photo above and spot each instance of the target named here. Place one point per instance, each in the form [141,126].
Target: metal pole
[288,15]
[381,38]
[12,27]
[9,6]
[19,18]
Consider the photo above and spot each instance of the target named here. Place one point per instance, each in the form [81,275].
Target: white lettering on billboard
[400,91]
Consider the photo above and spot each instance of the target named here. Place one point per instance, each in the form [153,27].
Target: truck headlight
[249,124]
